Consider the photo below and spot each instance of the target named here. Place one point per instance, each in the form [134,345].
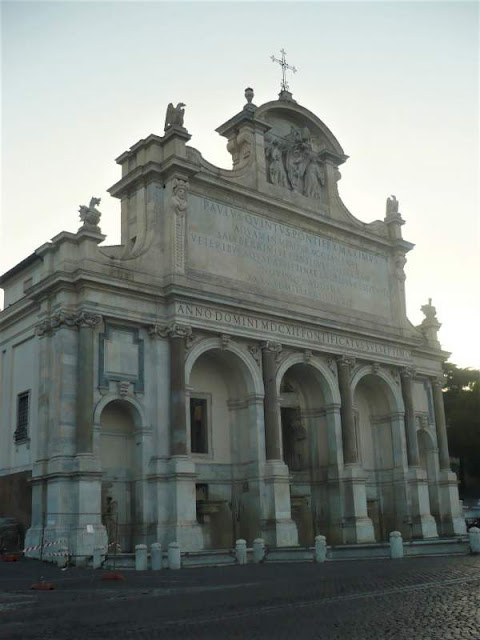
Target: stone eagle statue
[174,116]
[90,216]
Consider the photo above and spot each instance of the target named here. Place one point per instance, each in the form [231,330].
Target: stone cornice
[151,170]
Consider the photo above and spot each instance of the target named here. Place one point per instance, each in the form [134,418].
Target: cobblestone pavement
[414,599]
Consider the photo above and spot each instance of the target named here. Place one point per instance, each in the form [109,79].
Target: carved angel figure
[392,207]
[90,216]
[276,171]
[174,116]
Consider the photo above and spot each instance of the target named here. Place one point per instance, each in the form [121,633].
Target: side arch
[394,394]
[138,414]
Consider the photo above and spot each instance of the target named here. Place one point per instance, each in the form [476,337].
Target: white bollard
[141,557]
[320,548]
[396,545]
[474,539]
[174,559]
[258,550]
[98,556]
[156,556]
[241,551]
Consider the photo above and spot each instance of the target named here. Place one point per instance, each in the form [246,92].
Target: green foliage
[462,410]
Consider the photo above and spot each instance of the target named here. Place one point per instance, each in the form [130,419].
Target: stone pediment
[285,151]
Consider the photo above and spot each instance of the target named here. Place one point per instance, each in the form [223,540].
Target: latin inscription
[233,243]
[289,331]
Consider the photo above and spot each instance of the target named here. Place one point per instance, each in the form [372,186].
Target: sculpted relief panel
[293,162]
[232,243]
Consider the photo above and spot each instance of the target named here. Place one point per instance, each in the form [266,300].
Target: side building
[241,366]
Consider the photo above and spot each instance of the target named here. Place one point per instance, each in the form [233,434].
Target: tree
[461,394]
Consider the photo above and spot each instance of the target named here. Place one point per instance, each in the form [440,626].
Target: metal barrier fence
[79,534]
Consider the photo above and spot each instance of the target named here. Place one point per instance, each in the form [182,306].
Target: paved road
[411,599]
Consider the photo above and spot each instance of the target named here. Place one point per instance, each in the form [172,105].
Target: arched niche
[311,439]
[226,438]
[118,421]
[380,437]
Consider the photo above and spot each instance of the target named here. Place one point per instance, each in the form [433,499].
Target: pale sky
[396,82]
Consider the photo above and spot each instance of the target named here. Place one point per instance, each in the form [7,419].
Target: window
[198,425]
[23,407]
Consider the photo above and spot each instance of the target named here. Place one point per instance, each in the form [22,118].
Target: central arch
[311,442]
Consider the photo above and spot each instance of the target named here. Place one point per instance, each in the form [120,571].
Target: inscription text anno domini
[229,242]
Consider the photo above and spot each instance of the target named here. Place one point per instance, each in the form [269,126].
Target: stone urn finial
[249,106]
[430,324]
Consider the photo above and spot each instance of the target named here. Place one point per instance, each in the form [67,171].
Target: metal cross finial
[283,63]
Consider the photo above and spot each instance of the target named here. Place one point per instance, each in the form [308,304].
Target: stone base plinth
[278,528]
[423,524]
[451,518]
[357,526]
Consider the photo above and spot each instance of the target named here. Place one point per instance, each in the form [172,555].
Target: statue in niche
[90,216]
[109,514]
[276,170]
[314,179]
[174,116]
[179,197]
[294,440]
[299,436]
[392,207]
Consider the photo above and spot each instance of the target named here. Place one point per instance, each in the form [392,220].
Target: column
[182,526]
[178,415]
[451,517]
[407,375]
[87,531]
[440,424]
[418,506]
[273,448]
[350,453]
[356,526]
[278,528]
[85,370]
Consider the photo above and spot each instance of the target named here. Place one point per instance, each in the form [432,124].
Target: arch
[253,380]
[138,414]
[309,404]
[394,393]
[325,376]
[380,431]
[428,443]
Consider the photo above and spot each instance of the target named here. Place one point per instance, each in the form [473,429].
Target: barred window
[23,410]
